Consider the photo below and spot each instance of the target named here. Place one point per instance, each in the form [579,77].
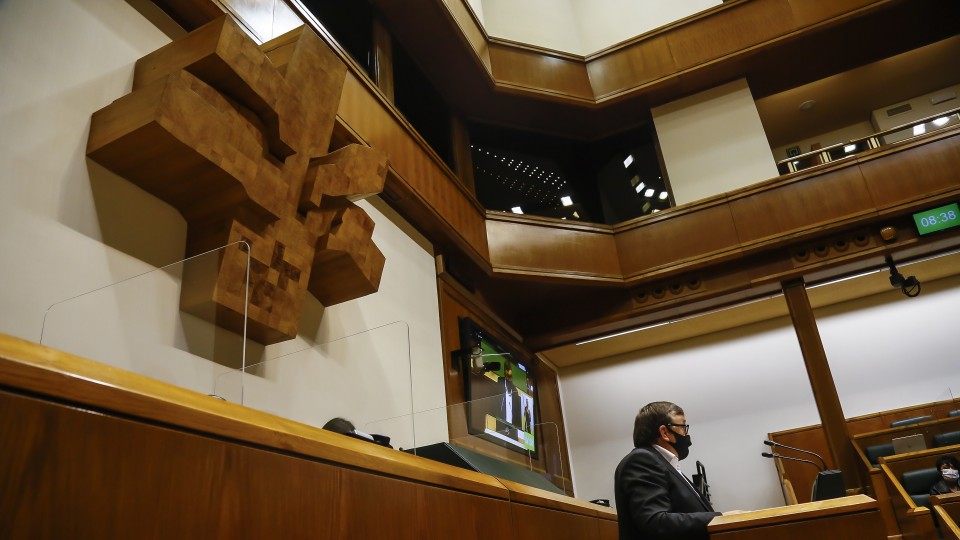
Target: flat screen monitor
[500,390]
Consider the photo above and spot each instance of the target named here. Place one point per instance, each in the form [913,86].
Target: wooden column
[462,158]
[821,382]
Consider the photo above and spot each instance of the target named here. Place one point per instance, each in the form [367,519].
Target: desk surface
[782,514]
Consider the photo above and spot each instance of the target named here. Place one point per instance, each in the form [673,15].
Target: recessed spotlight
[663,195]
[919,129]
[850,148]
[516,210]
[649,192]
[567,201]
[628,161]
[941,121]
[640,187]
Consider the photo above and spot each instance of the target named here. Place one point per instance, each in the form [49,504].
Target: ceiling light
[663,195]
[919,129]
[640,187]
[516,210]
[628,161]
[649,192]
[567,201]
[941,121]
[850,148]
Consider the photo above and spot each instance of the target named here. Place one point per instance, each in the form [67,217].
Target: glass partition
[359,377]
[474,436]
[161,323]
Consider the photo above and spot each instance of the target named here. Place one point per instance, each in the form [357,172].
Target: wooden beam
[821,382]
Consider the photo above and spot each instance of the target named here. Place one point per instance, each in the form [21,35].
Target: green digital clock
[937,219]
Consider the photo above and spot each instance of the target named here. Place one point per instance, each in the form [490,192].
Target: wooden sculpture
[237,140]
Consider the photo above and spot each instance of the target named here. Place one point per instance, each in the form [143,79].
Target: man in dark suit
[654,499]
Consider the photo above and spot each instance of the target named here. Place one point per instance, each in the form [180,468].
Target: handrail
[873,141]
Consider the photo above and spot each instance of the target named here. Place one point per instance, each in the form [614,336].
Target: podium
[856,516]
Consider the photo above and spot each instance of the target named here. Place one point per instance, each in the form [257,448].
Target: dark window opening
[608,181]
[351,24]
[421,104]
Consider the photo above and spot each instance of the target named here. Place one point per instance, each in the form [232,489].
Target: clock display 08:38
[937,219]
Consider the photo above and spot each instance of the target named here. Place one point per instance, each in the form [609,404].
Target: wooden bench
[947,511]
[913,521]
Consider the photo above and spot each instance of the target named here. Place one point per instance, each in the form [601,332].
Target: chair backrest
[914,420]
[875,452]
[954,413]
[946,439]
[917,484]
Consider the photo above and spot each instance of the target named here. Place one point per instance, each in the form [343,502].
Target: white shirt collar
[668,455]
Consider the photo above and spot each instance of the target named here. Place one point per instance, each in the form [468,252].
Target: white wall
[68,226]
[581,26]
[477,7]
[921,108]
[603,23]
[546,23]
[738,385]
[713,142]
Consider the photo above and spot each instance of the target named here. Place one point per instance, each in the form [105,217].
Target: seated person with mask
[949,469]
[654,499]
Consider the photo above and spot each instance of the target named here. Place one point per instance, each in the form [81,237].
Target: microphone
[769,455]
[772,444]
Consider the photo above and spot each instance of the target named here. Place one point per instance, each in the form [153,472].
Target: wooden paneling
[639,64]
[536,522]
[376,507]
[444,515]
[784,207]
[810,12]
[412,163]
[532,246]
[727,31]
[682,236]
[74,473]
[896,175]
[550,74]
[471,29]
[608,529]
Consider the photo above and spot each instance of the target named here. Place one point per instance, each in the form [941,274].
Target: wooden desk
[847,517]
[92,451]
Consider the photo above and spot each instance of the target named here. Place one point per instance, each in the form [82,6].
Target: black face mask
[682,446]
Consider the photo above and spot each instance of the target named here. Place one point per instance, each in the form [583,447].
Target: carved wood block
[236,140]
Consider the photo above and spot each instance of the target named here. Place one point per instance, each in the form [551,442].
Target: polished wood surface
[231,138]
[121,455]
[847,517]
[781,514]
[539,522]
[821,382]
[948,524]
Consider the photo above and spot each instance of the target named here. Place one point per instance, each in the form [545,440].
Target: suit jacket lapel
[683,479]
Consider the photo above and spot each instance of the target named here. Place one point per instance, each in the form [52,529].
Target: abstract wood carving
[237,140]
